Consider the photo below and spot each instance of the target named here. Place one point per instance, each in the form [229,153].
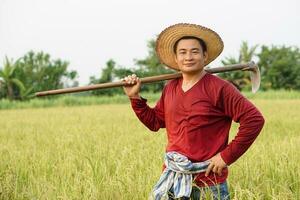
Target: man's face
[190,57]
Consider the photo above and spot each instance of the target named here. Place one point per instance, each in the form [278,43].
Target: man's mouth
[189,64]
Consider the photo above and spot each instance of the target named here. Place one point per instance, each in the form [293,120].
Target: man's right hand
[132,87]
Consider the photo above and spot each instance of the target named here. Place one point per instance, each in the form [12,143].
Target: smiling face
[190,56]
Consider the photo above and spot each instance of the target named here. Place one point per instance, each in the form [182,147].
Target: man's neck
[188,80]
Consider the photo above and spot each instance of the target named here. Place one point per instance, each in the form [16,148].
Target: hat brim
[168,37]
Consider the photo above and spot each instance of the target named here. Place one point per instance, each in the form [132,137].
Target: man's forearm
[248,131]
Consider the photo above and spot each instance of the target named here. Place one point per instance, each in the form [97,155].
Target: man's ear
[205,56]
[175,58]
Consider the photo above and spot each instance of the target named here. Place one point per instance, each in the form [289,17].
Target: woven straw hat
[168,37]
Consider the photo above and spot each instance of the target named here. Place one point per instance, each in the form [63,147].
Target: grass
[104,152]
[82,100]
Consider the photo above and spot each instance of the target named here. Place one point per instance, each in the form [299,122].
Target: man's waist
[212,179]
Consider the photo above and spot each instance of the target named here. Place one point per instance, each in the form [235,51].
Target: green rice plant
[104,152]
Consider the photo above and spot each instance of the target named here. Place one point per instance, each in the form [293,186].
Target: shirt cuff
[138,103]
[225,155]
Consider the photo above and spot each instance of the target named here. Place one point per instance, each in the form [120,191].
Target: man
[197,111]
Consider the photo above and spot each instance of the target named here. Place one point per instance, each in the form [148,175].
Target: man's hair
[201,42]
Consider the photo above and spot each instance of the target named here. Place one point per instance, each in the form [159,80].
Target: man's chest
[188,109]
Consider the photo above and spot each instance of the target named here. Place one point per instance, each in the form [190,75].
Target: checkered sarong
[177,175]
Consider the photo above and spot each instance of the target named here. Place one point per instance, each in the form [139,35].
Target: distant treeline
[37,71]
[70,100]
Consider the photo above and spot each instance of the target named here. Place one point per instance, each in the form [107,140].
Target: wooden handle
[246,67]
[150,79]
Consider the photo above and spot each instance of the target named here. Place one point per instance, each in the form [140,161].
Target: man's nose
[188,56]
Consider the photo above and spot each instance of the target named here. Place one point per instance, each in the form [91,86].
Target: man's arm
[153,118]
[251,121]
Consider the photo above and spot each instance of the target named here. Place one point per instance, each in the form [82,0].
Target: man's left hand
[216,165]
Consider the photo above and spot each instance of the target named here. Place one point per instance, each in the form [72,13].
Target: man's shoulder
[213,87]
[215,81]
[172,83]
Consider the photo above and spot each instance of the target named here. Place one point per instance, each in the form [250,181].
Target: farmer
[197,111]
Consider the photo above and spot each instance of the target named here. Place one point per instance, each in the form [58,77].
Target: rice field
[104,152]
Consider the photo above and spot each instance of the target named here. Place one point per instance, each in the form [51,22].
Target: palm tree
[246,52]
[238,78]
[8,79]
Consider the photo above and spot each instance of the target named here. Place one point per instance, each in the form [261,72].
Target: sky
[88,33]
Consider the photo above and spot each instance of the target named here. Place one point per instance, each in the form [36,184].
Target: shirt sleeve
[153,118]
[251,121]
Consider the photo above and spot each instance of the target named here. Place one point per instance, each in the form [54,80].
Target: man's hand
[133,86]
[216,165]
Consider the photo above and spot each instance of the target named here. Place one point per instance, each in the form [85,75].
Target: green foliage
[280,67]
[32,73]
[238,78]
[9,83]
[39,72]
[149,66]
[87,100]
[107,75]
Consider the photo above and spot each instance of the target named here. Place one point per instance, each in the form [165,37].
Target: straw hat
[168,37]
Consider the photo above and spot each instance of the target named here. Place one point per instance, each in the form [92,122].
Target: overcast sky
[88,33]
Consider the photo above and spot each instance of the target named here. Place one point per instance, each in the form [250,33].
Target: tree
[148,66]
[280,67]
[151,66]
[238,78]
[38,72]
[107,75]
[10,84]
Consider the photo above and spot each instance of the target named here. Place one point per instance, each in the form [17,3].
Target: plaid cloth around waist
[177,174]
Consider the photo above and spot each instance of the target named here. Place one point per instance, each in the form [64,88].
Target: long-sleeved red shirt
[198,121]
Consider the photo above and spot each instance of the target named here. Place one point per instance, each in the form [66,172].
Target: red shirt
[198,121]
